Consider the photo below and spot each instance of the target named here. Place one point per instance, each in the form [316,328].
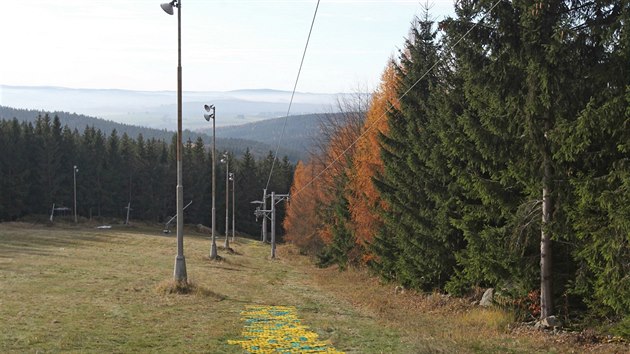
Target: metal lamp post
[211,115]
[233,179]
[180,262]
[75,169]
[225,160]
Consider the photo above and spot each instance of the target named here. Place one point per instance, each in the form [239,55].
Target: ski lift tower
[270,213]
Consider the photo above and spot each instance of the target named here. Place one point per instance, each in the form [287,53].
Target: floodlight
[168,7]
[209,108]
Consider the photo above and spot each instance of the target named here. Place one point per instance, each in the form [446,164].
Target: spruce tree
[116,197]
[248,189]
[199,184]
[417,231]
[526,70]
[90,180]
[341,251]
[14,170]
[596,149]
[128,162]
[49,165]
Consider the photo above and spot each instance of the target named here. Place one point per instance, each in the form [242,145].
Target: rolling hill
[158,109]
[299,132]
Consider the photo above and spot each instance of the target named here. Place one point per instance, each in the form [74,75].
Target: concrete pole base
[213,251]
[180,269]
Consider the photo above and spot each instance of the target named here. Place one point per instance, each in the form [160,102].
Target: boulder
[204,229]
[549,322]
[488,298]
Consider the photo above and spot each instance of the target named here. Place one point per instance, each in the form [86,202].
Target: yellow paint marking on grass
[277,329]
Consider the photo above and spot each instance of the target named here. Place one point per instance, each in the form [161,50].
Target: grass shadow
[44,240]
[173,287]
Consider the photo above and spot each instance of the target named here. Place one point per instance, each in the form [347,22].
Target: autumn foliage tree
[327,230]
[363,198]
[301,222]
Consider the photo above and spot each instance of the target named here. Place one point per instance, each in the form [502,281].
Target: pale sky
[226,44]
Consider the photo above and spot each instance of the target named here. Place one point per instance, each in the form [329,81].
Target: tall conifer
[417,243]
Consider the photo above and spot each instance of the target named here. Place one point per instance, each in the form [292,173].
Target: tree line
[235,145]
[495,153]
[36,171]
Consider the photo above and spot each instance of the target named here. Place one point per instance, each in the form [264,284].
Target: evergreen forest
[37,171]
[494,153]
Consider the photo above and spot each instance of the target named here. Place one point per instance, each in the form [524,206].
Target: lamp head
[210,110]
[168,6]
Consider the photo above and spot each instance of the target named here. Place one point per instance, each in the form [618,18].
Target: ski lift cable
[388,110]
[297,79]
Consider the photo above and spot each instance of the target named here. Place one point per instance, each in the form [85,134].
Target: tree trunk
[546,298]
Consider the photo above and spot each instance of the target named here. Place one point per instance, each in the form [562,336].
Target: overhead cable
[388,110]
[275,157]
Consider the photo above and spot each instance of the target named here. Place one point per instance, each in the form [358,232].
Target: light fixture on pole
[226,161]
[233,179]
[168,7]
[211,115]
[75,169]
[179,272]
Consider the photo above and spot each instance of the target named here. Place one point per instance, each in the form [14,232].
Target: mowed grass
[81,289]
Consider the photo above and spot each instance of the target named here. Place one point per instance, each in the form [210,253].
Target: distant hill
[237,145]
[299,133]
[158,109]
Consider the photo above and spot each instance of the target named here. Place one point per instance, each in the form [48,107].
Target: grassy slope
[80,289]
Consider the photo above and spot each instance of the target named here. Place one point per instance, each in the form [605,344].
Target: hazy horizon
[158,109]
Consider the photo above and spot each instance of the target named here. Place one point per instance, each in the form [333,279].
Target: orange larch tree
[301,222]
[363,198]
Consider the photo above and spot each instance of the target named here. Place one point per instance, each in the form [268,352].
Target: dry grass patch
[495,319]
[171,286]
[434,322]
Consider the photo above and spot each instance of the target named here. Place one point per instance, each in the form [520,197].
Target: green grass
[76,289]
